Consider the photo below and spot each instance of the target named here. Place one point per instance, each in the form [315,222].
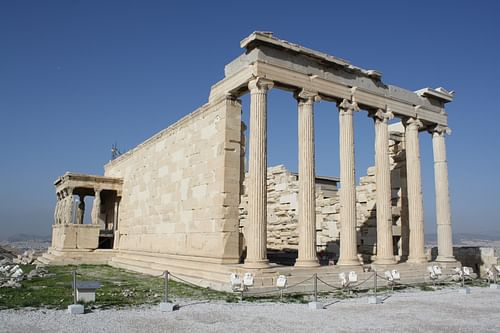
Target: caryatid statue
[80,212]
[68,212]
[57,209]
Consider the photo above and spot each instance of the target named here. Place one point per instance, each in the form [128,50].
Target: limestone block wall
[282,217]
[181,187]
[479,258]
[366,202]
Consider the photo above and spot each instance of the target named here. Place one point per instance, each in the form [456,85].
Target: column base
[306,263]
[417,260]
[348,262]
[256,264]
[445,259]
[385,261]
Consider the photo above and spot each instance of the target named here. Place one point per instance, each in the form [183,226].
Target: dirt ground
[411,311]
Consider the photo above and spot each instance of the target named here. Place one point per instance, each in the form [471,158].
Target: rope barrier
[278,289]
[330,285]
[363,282]
[184,281]
[288,289]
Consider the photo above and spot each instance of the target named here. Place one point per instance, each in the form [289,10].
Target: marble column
[116,235]
[414,187]
[257,170]
[307,181]
[348,239]
[96,207]
[385,251]
[115,215]
[443,212]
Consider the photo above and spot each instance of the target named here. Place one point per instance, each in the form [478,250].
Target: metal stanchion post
[315,304]
[315,287]
[165,286]
[166,306]
[464,290]
[74,287]
[75,308]
[374,299]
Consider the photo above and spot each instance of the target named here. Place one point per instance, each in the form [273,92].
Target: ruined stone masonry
[186,199]
[282,198]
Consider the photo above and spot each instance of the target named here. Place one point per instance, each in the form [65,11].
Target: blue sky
[77,76]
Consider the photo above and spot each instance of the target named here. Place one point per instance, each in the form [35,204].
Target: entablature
[88,184]
[293,67]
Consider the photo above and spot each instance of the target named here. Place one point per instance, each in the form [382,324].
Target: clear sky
[77,76]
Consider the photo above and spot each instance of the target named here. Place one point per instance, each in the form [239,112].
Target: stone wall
[282,217]
[366,202]
[282,196]
[181,187]
[479,258]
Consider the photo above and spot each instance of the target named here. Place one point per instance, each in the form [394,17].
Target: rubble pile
[11,273]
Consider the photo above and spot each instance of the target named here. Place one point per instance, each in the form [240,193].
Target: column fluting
[348,239]
[307,181]
[414,187]
[443,212]
[385,251]
[257,191]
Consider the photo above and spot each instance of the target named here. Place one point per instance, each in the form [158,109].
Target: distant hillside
[461,237]
[28,237]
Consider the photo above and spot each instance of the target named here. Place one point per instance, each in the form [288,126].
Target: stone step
[208,276]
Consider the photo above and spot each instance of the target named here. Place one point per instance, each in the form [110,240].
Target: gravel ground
[413,311]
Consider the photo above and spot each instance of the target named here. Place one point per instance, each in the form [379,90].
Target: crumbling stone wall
[479,258]
[282,217]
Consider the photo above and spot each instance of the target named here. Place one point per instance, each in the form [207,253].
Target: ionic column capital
[348,106]
[307,96]
[382,115]
[413,123]
[260,85]
[440,130]
[68,191]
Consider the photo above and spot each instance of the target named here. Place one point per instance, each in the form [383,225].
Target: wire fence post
[74,287]
[315,287]
[165,286]
[375,283]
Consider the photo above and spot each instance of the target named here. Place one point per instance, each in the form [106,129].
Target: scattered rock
[127,293]
[11,274]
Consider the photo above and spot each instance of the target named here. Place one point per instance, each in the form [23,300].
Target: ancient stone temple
[187,201]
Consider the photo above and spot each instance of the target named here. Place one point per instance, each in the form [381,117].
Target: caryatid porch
[312,76]
[69,230]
